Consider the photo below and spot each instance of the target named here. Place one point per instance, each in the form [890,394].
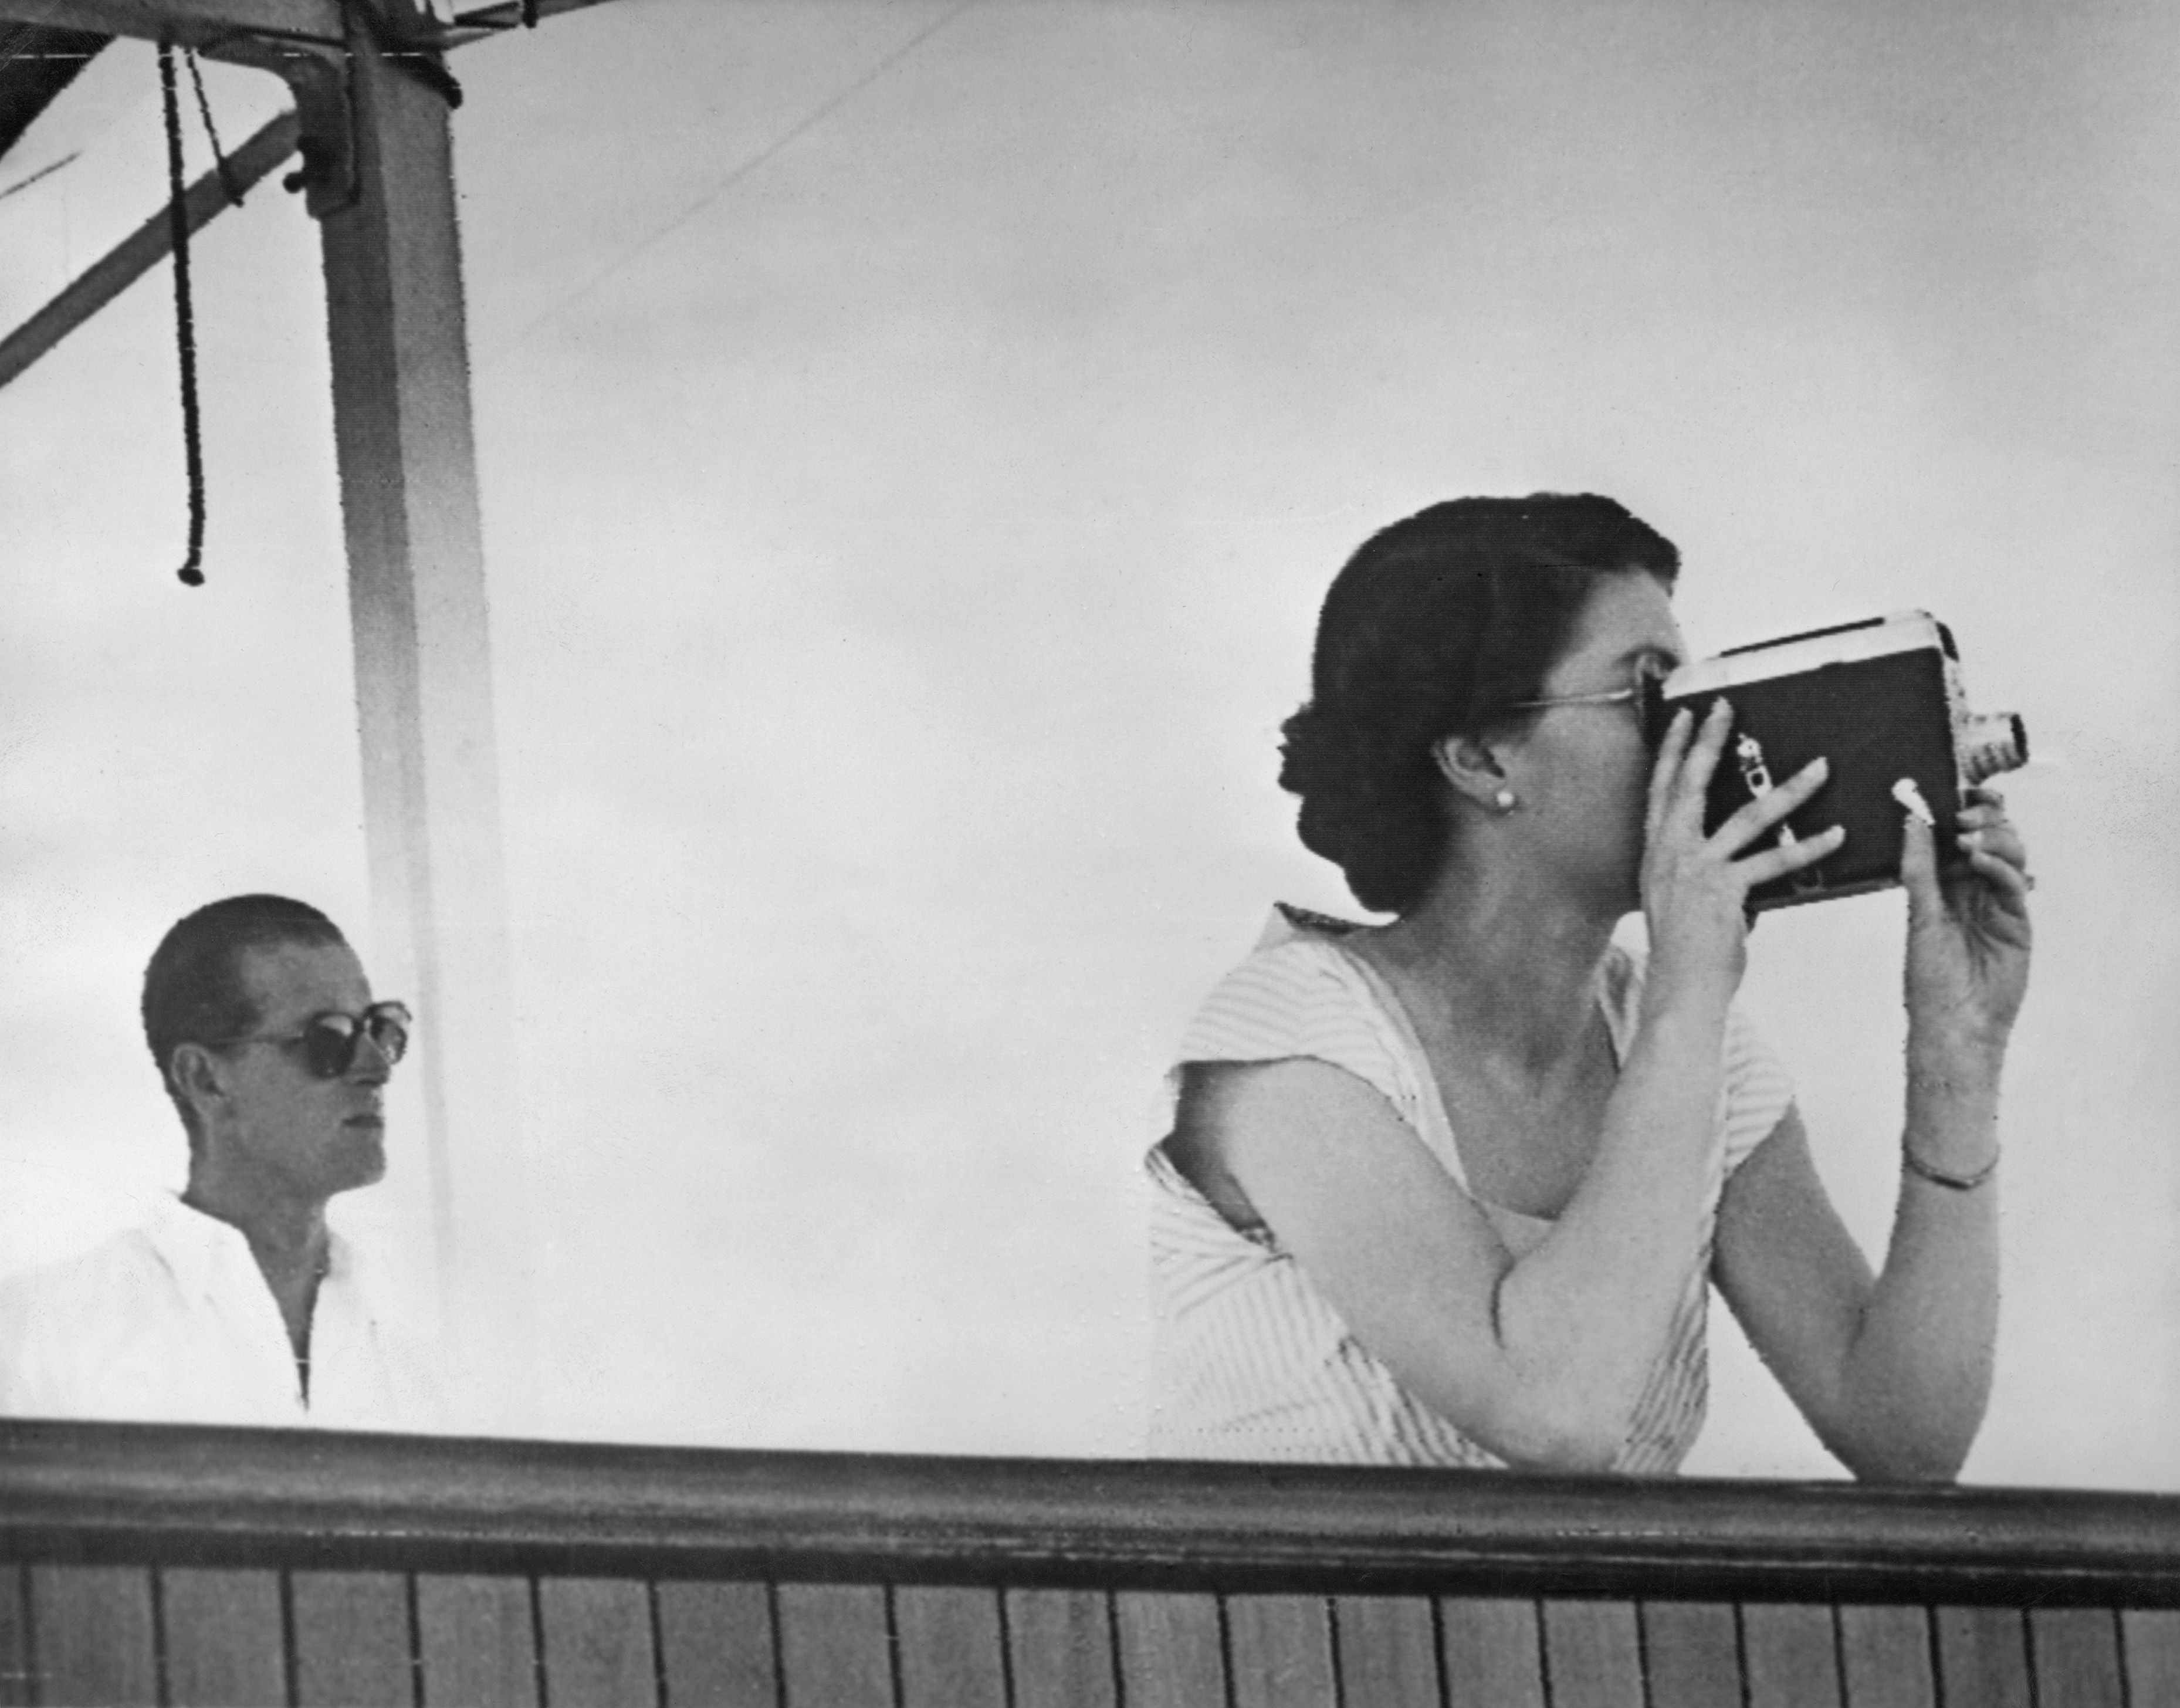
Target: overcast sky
[914,441]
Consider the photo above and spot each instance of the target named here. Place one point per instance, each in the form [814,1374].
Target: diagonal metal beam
[141,251]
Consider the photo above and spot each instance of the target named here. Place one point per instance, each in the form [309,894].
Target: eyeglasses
[1649,677]
[330,1042]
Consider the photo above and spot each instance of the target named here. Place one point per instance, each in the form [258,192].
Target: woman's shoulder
[1297,993]
[1297,964]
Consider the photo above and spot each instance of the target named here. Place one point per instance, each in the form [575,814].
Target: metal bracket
[318,75]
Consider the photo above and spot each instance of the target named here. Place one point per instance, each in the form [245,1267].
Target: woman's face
[1581,774]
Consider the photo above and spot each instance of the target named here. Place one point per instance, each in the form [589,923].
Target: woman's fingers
[1691,787]
[1759,868]
[1663,771]
[1918,870]
[2004,877]
[1766,810]
[2001,840]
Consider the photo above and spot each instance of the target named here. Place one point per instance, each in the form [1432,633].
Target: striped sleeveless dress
[1249,1361]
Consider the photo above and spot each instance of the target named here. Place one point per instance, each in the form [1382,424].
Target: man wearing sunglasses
[235,1303]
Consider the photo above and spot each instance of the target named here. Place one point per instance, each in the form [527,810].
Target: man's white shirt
[172,1321]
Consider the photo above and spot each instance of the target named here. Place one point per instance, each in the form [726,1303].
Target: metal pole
[409,501]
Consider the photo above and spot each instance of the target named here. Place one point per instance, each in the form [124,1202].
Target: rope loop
[232,189]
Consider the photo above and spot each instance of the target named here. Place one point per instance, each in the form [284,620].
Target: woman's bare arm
[1894,1372]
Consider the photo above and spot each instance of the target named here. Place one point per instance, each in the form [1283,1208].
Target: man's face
[316,1137]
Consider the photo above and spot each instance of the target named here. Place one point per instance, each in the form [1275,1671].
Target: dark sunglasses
[331,1041]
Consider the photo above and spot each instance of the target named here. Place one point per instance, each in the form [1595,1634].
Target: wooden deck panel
[2074,1656]
[225,1643]
[1388,1651]
[1492,1652]
[1593,1655]
[1692,1655]
[1884,1657]
[92,1628]
[952,1652]
[715,1645]
[477,1637]
[2150,1638]
[1983,1657]
[595,1643]
[1060,1647]
[1790,1653]
[1278,1651]
[835,1646]
[354,1646]
[14,1638]
[1172,1650]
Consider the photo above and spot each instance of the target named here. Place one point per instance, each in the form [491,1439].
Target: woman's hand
[1967,935]
[1695,888]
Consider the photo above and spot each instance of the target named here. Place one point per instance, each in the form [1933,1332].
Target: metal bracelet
[1955,1182]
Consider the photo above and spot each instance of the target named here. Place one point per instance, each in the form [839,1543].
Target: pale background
[914,442]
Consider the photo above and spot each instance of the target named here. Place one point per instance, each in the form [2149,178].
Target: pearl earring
[1504,799]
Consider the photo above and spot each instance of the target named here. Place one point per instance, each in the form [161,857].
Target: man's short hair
[193,988]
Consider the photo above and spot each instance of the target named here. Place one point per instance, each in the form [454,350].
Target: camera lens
[1988,744]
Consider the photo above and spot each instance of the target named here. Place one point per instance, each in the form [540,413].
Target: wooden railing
[152,1564]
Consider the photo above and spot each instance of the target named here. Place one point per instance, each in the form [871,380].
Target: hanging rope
[228,186]
[178,224]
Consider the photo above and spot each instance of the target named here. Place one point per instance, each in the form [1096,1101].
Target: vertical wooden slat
[1279,1649]
[2152,1640]
[1060,1643]
[1593,1655]
[596,1637]
[835,1650]
[1692,1653]
[950,1648]
[2075,1652]
[1388,1652]
[478,1641]
[715,1645]
[353,1644]
[1493,1651]
[225,1647]
[1792,1653]
[1983,1657]
[92,1628]
[1169,1650]
[15,1639]
[1887,1656]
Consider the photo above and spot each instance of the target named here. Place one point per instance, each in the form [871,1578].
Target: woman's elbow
[1898,1437]
[1906,1450]
[1567,1433]
[1926,1463]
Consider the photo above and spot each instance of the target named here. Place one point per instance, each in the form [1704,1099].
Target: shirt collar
[203,1252]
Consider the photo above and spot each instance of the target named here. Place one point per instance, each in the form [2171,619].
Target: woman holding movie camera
[1452,1189]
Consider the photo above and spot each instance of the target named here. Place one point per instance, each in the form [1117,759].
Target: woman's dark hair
[193,988]
[1433,628]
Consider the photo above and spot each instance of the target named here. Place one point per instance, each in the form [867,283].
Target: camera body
[1882,701]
